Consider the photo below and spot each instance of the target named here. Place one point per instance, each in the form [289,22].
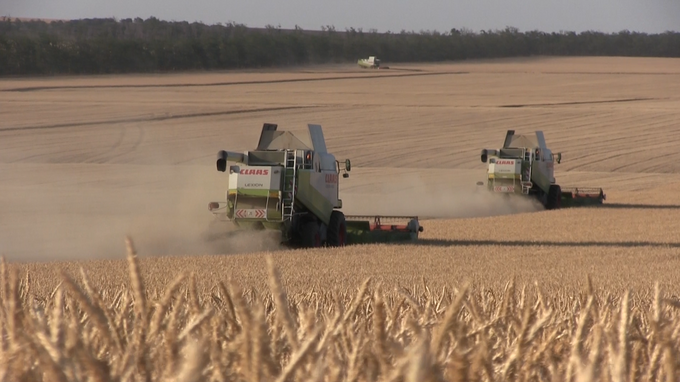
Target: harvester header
[290,183]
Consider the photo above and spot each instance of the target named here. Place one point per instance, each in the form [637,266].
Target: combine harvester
[371,63]
[525,166]
[290,184]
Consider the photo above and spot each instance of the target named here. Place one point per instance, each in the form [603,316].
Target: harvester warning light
[308,156]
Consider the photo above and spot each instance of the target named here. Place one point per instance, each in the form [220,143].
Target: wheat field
[490,292]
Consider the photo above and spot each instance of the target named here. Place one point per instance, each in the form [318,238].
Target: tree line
[100,46]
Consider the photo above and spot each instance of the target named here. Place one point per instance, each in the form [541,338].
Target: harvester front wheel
[554,197]
[337,230]
[310,235]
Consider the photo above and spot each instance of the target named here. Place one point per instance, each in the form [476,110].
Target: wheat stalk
[68,333]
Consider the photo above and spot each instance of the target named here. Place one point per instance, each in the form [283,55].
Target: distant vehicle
[371,63]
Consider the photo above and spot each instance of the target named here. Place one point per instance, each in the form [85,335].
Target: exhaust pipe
[486,153]
[225,156]
[222,161]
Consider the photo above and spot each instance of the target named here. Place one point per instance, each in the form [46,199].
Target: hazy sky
[649,16]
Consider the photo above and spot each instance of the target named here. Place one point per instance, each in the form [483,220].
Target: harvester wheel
[337,230]
[311,237]
[554,197]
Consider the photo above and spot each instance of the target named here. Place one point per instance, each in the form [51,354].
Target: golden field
[88,160]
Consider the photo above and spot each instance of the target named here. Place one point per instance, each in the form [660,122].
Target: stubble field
[88,160]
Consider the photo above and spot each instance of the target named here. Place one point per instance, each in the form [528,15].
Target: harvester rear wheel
[337,230]
[310,235]
[554,197]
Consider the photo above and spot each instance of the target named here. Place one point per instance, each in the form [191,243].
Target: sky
[650,16]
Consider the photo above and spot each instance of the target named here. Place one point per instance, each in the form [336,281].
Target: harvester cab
[526,166]
[289,183]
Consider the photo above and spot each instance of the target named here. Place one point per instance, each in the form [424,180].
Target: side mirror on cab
[348,165]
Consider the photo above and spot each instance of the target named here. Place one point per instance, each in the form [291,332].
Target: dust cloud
[84,211]
[78,211]
[413,197]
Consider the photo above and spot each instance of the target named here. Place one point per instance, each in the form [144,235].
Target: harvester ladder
[525,185]
[289,185]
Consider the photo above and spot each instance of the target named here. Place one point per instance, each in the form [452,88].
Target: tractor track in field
[579,102]
[232,83]
[614,73]
[616,152]
[152,118]
[111,154]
